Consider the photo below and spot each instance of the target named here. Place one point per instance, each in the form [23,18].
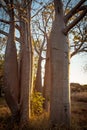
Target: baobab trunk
[25,62]
[38,82]
[59,63]
[47,80]
[24,81]
[11,86]
[25,76]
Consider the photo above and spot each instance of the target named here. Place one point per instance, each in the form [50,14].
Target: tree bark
[38,82]
[47,80]
[60,92]
[11,86]
[25,76]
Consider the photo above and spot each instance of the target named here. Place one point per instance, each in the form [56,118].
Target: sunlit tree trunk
[24,96]
[47,80]
[38,82]
[25,70]
[60,95]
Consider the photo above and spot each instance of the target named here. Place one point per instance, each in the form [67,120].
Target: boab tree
[59,61]
[77,45]
[17,77]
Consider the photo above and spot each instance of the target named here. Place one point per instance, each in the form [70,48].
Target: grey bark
[38,82]
[18,82]
[25,66]
[11,86]
[47,80]
[59,63]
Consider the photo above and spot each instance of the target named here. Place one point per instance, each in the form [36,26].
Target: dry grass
[39,122]
[78,113]
[79,97]
[79,107]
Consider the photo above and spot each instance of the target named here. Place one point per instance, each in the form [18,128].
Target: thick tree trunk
[38,82]
[11,86]
[25,77]
[60,94]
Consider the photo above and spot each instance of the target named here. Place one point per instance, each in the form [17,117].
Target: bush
[37,101]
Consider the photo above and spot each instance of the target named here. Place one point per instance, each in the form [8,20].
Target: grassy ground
[78,112]
[79,106]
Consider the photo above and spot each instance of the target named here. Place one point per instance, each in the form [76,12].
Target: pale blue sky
[77,72]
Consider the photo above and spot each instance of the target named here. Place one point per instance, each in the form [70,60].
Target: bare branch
[84,49]
[8,22]
[37,12]
[73,11]
[77,50]
[72,24]
[4,8]
[6,34]
[4,21]
[36,50]
[41,9]
[67,4]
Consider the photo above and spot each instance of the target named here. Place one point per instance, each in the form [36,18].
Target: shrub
[37,101]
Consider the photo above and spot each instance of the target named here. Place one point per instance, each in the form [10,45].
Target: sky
[77,63]
[77,72]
